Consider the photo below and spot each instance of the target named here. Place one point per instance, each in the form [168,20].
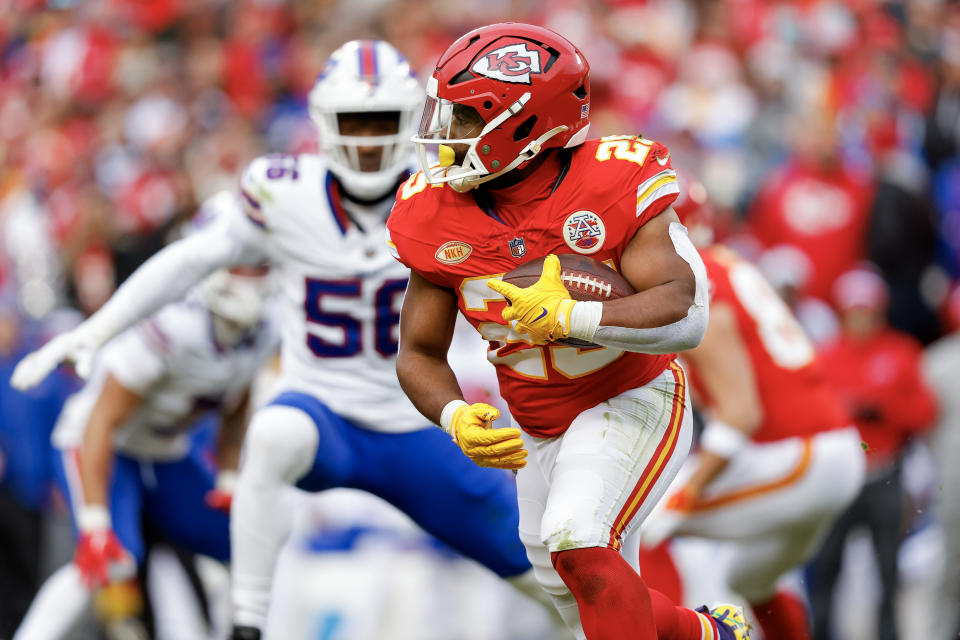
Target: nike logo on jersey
[541,315]
[663,160]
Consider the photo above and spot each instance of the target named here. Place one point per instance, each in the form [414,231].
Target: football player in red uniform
[606,427]
[779,458]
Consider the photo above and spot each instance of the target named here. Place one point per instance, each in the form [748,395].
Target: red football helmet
[528,84]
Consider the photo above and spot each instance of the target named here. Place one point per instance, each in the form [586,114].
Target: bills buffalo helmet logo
[584,232]
[512,63]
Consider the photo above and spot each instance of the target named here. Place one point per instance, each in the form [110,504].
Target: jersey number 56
[386,316]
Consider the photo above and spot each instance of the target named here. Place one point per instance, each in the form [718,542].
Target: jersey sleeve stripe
[251,208]
[336,207]
[393,248]
[655,188]
[650,185]
[155,335]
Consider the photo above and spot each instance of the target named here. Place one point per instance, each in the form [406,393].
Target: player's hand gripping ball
[542,294]
[471,429]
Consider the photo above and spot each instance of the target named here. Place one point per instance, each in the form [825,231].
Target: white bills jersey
[341,289]
[173,361]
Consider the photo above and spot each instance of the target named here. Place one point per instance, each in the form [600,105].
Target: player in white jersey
[338,416]
[122,445]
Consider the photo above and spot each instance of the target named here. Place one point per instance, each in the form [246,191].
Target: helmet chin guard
[366,76]
[530,87]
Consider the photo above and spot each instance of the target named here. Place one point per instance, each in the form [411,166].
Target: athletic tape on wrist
[447,414]
[93,517]
[723,440]
[584,320]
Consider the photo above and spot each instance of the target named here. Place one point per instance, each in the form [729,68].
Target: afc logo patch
[512,63]
[584,232]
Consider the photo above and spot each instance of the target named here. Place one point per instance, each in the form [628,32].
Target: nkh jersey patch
[453,252]
[512,63]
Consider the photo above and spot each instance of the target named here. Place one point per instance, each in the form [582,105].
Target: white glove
[78,346]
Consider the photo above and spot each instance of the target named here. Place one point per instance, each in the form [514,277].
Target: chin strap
[528,153]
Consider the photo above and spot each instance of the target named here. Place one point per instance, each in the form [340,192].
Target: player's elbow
[679,299]
[693,325]
[404,365]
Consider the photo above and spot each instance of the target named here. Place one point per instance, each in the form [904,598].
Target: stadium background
[117,117]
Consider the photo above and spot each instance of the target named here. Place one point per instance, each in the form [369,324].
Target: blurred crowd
[828,125]
[824,133]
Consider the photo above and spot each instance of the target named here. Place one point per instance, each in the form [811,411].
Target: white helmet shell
[366,76]
[238,296]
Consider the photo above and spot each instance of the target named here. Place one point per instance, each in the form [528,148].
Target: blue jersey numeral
[386,317]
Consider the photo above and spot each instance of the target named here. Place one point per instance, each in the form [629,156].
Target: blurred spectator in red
[815,204]
[942,368]
[878,371]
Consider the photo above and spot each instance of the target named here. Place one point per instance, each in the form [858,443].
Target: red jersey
[613,187]
[880,378]
[791,384]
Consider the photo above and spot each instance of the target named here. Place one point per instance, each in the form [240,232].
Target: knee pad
[281,442]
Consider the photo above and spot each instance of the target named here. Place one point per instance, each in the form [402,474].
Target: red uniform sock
[613,600]
[615,604]
[680,623]
[783,617]
[660,573]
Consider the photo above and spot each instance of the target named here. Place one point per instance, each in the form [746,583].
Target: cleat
[245,633]
[730,621]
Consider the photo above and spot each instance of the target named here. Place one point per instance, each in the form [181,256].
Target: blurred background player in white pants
[337,417]
[122,448]
[778,458]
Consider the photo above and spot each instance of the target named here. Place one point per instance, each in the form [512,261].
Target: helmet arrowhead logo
[512,63]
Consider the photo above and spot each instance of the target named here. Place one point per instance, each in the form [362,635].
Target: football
[585,278]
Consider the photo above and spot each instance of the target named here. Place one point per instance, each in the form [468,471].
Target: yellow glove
[541,310]
[487,447]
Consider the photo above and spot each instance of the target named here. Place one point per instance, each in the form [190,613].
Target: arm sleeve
[681,335]
[230,239]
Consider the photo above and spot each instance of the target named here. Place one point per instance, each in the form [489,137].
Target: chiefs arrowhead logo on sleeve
[512,63]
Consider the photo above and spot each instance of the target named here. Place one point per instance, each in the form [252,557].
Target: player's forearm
[231,434]
[709,466]
[96,462]
[428,381]
[162,279]
[647,322]
[665,318]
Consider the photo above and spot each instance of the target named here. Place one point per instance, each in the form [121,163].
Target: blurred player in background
[123,452]
[606,427]
[877,370]
[337,417]
[778,459]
